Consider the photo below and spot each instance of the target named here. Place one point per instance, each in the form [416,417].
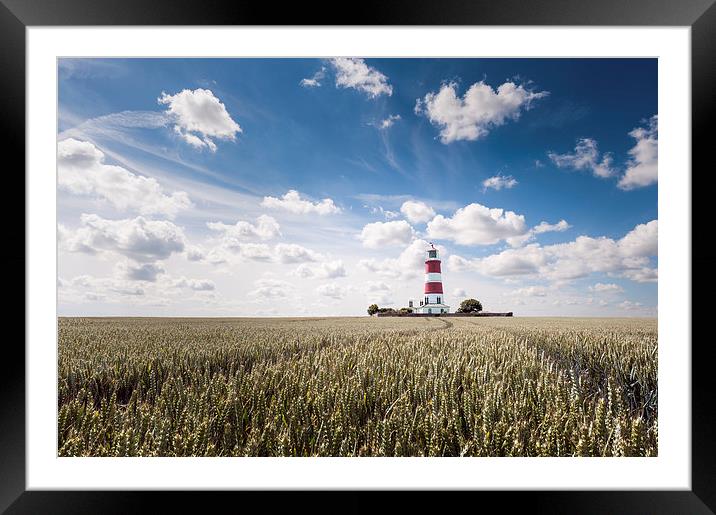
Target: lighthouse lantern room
[433,300]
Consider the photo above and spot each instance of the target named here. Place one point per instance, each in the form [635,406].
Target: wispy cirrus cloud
[315,80]
[387,123]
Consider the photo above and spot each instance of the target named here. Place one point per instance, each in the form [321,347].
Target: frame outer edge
[372,12]
[12,125]
[12,377]
[703,408]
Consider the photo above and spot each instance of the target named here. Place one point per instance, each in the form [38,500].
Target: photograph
[357,257]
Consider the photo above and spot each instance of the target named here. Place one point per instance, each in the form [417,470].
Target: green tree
[470,306]
[386,310]
[372,309]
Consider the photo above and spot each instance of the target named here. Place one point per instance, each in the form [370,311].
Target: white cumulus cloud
[530,291]
[642,275]
[377,292]
[266,228]
[251,251]
[586,156]
[389,215]
[332,290]
[356,74]
[326,270]
[417,211]
[293,203]
[627,257]
[479,110]
[498,182]
[476,224]
[230,249]
[606,288]
[641,241]
[139,239]
[139,272]
[293,253]
[379,234]
[541,228]
[642,168]
[99,288]
[81,170]
[272,289]
[199,117]
[194,284]
[630,305]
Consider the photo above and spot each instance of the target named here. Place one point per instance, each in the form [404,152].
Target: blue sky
[311,186]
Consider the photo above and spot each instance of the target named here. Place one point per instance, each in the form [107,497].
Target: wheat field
[357,387]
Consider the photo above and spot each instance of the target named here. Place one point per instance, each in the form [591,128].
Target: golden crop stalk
[357,387]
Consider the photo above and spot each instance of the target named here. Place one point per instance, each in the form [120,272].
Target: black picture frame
[700,15]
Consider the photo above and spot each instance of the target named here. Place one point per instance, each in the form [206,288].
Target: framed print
[448,250]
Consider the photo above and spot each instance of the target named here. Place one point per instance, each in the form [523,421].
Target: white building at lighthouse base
[431,304]
[432,309]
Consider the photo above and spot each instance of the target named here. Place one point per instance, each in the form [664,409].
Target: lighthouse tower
[433,300]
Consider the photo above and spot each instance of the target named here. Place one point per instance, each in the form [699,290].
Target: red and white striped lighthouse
[433,301]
